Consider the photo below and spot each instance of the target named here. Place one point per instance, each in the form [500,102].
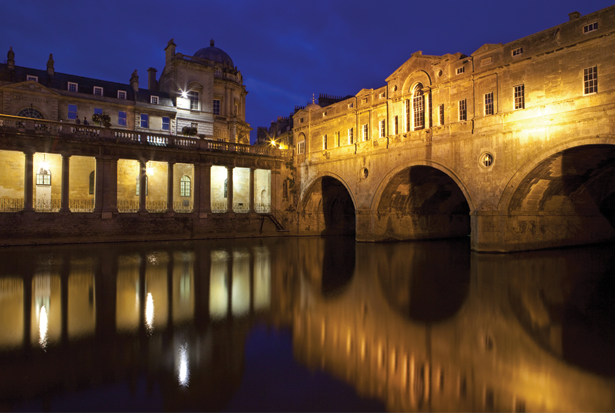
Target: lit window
[441,114]
[138,186]
[396,125]
[72,112]
[98,111]
[153,100]
[73,87]
[184,186]
[590,79]
[121,94]
[382,129]
[351,105]
[418,103]
[43,177]
[144,120]
[98,91]
[590,27]
[517,51]
[350,136]
[194,100]
[519,96]
[166,123]
[301,147]
[365,132]
[461,70]
[324,142]
[489,103]
[216,106]
[463,111]
[32,78]
[382,95]
[92,183]
[121,118]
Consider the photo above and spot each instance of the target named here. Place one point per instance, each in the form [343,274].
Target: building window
[590,79]
[382,129]
[98,111]
[408,119]
[519,97]
[350,136]
[73,87]
[463,110]
[72,112]
[418,103]
[92,177]
[517,51]
[301,148]
[166,123]
[396,125]
[184,186]
[139,185]
[98,91]
[216,106]
[350,105]
[337,139]
[43,177]
[461,70]
[441,114]
[144,120]
[324,142]
[194,100]
[365,132]
[301,120]
[32,78]
[489,103]
[121,118]
[121,94]
[590,27]
[30,113]
[153,100]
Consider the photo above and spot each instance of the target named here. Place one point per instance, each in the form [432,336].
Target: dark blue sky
[286,50]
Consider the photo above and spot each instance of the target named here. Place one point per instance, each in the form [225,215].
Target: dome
[214,54]
[312,105]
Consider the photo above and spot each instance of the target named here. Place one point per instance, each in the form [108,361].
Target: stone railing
[71,130]
[219,207]
[81,205]
[241,207]
[127,206]
[47,205]
[183,207]
[11,204]
[262,208]
[156,207]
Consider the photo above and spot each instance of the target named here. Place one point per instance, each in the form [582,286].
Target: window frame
[120,118]
[324,142]
[590,80]
[519,96]
[92,183]
[98,88]
[216,109]
[463,110]
[396,124]
[98,111]
[489,107]
[122,94]
[144,119]
[382,128]
[591,27]
[418,108]
[76,85]
[76,111]
[154,100]
[351,136]
[517,52]
[43,178]
[365,130]
[185,186]
[167,123]
[441,114]
[300,148]
[31,78]
[460,70]
[193,97]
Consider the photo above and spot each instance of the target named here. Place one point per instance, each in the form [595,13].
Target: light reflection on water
[409,326]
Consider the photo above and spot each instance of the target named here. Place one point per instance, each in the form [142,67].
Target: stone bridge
[515,150]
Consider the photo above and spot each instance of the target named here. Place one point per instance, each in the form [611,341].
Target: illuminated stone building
[75,145]
[512,144]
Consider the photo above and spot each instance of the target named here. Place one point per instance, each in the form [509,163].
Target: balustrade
[262,208]
[183,207]
[47,205]
[81,205]
[241,207]
[156,207]
[127,206]
[218,207]
[11,204]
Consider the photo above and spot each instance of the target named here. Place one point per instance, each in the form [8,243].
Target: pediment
[417,61]
[487,48]
[364,92]
[29,86]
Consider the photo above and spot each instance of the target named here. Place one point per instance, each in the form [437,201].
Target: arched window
[418,105]
[184,186]
[138,186]
[43,177]
[92,175]
[225,187]
[30,113]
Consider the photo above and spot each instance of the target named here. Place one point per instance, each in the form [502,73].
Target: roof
[214,54]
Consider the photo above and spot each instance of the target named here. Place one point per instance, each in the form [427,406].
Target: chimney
[151,79]
[10,62]
[170,49]
[50,70]
[574,15]
[134,82]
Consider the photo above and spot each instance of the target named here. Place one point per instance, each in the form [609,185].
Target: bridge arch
[421,199]
[327,206]
[565,195]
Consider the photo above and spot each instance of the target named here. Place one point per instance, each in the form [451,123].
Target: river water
[306,324]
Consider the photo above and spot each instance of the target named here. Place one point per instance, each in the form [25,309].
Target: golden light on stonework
[149,313]
[184,94]
[43,327]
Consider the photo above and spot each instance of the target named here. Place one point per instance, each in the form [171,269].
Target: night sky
[286,50]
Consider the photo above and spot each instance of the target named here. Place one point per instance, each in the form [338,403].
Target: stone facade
[511,144]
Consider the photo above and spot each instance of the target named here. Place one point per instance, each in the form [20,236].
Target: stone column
[202,190]
[142,187]
[251,200]
[98,186]
[170,189]
[108,182]
[229,189]
[65,178]
[28,187]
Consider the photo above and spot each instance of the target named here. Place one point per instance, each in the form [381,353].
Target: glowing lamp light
[184,94]
[149,170]
[149,313]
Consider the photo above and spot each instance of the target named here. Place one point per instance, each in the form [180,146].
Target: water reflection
[415,325]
